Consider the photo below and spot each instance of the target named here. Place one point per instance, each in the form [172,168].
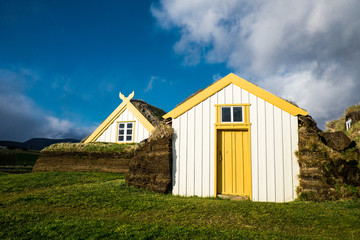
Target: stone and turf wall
[97,157]
[151,166]
[83,162]
[329,164]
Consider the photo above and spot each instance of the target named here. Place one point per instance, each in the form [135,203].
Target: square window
[232,114]
[125,132]
[225,114]
[237,114]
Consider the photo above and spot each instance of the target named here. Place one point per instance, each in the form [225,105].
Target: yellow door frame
[245,126]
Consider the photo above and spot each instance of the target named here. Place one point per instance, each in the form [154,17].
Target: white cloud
[150,84]
[22,119]
[307,50]
[156,79]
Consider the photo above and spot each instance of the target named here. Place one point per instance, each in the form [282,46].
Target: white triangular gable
[110,134]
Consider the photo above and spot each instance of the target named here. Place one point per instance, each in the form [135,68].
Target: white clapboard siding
[110,134]
[274,140]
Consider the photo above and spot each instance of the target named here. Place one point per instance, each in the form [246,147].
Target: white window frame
[348,124]
[125,132]
[232,114]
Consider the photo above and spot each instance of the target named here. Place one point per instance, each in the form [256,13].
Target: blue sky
[63,63]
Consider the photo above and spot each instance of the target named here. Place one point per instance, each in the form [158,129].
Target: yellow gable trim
[242,83]
[126,104]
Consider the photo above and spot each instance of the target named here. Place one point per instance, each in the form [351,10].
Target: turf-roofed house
[131,122]
[235,138]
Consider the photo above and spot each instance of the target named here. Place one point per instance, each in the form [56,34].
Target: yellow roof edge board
[242,83]
[126,104]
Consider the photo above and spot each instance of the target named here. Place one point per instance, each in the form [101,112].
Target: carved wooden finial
[121,96]
[126,99]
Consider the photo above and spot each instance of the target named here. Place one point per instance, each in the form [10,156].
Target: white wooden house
[235,138]
[131,122]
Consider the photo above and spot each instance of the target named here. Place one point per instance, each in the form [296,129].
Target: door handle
[220,156]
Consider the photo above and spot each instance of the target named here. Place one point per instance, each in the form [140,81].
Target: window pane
[129,125]
[225,114]
[121,132]
[237,114]
[121,125]
[121,138]
[129,131]
[128,138]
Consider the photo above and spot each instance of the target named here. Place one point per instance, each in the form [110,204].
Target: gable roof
[242,83]
[145,113]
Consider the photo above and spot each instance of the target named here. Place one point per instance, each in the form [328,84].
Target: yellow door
[233,162]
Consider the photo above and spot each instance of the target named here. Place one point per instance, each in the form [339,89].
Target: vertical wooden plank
[220,97]
[227,163]
[218,163]
[198,149]
[183,155]
[235,162]
[236,94]
[270,153]
[123,115]
[112,132]
[240,162]
[106,136]
[279,160]
[137,129]
[126,115]
[190,153]
[294,147]
[244,96]
[206,148]
[247,164]
[213,100]
[286,124]
[254,148]
[228,91]
[262,151]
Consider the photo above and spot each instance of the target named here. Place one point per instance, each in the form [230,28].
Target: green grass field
[100,205]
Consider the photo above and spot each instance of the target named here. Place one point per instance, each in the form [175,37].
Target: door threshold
[233,197]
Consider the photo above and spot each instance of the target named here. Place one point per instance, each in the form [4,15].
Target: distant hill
[35,143]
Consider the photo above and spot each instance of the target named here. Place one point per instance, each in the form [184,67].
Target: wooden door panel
[233,166]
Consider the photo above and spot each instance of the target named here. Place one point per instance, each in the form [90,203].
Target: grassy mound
[72,205]
[97,147]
